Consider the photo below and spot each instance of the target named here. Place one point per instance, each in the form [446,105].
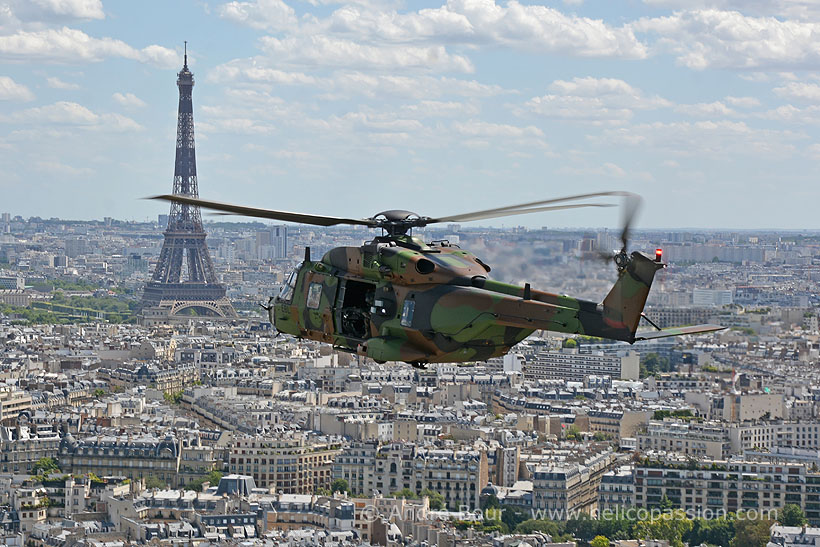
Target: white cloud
[608,169]
[813,151]
[788,113]
[68,45]
[346,84]
[325,51]
[128,100]
[80,9]
[73,114]
[440,109]
[594,100]
[483,22]
[477,128]
[533,28]
[712,38]
[714,139]
[349,84]
[57,83]
[12,91]
[241,70]
[706,110]
[62,169]
[16,14]
[743,102]
[261,14]
[799,91]
[801,9]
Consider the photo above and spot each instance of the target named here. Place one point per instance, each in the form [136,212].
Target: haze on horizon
[709,109]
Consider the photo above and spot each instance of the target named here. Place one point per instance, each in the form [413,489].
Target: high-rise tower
[184,280]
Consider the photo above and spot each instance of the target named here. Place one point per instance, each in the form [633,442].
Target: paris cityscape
[219,374]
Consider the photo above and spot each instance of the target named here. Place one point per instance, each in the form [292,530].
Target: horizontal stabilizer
[677,331]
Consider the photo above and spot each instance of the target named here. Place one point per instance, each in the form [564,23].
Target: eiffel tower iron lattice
[171,294]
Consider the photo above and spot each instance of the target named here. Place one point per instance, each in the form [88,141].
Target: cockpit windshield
[286,293]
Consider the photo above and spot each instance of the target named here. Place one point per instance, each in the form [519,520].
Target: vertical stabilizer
[624,303]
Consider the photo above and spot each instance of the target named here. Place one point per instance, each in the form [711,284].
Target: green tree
[548,527]
[99,392]
[211,478]
[751,533]
[491,526]
[154,482]
[791,515]
[652,364]
[599,541]
[95,479]
[436,499]
[616,527]
[573,433]
[405,493]
[718,531]
[45,466]
[339,485]
[490,502]
[583,527]
[513,516]
[665,504]
[671,526]
[172,398]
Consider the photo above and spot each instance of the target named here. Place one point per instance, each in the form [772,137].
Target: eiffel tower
[184,281]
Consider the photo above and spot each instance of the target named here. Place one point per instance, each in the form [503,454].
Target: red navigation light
[658,255]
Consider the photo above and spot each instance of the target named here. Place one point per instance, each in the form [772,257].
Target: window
[407,313]
[287,290]
[314,295]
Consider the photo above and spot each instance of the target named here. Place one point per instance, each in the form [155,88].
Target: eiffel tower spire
[184,278]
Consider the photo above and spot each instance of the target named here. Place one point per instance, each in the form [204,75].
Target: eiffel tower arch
[184,280]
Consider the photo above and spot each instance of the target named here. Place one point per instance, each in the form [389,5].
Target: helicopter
[399,298]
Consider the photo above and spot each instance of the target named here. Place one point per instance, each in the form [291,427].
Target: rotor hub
[398,221]
[621,260]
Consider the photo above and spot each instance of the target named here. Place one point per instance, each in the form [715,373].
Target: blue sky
[709,109]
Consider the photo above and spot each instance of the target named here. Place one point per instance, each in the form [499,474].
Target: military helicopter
[398,298]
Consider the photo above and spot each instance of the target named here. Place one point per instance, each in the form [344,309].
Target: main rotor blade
[477,216]
[524,208]
[284,216]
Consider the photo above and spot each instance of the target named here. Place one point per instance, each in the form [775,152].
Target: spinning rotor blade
[531,207]
[284,216]
[479,216]
[632,203]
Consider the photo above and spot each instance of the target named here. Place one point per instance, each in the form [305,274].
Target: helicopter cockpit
[287,290]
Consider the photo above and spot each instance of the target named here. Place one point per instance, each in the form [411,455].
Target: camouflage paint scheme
[456,313]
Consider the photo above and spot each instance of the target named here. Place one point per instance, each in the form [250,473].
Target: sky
[708,109]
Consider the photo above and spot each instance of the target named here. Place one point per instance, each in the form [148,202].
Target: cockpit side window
[288,288]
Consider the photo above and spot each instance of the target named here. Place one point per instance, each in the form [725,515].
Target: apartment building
[617,489]
[617,423]
[22,446]
[457,474]
[356,464]
[571,365]
[132,457]
[12,402]
[691,438]
[769,435]
[284,465]
[713,487]
[168,379]
[564,489]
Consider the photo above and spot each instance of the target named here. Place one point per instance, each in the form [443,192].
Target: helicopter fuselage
[398,299]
